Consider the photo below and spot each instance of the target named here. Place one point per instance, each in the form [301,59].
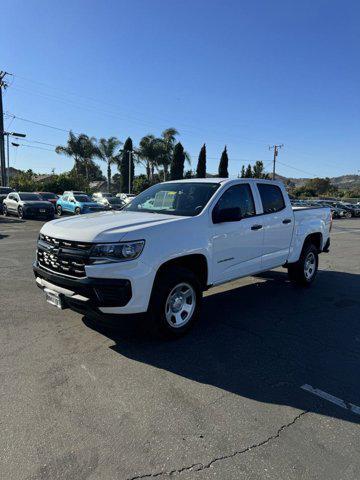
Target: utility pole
[7,135]
[3,84]
[130,159]
[276,151]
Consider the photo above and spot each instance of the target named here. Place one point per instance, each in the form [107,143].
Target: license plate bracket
[54,298]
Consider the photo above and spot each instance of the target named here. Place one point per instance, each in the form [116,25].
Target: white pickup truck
[172,242]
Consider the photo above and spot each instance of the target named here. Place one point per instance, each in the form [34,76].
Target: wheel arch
[195,262]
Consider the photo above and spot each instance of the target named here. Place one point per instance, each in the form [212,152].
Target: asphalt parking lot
[265,387]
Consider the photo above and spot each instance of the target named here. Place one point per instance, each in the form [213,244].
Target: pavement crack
[197,467]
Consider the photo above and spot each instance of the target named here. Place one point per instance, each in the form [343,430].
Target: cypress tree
[124,166]
[177,163]
[243,172]
[223,165]
[248,172]
[201,166]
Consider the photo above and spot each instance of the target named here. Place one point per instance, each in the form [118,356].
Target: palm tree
[82,148]
[107,149]
[72,149]
[167,143]
[149,154]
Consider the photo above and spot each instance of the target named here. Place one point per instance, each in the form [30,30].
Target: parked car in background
[77,203]
[127,197]
[114,203]
[48,197]
[99,196]
[109,201]
[26,205]
[353,210]
[4,191]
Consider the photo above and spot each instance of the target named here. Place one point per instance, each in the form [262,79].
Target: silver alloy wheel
[309,266]
[180,305]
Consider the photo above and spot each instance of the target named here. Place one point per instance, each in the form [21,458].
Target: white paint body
[232,250]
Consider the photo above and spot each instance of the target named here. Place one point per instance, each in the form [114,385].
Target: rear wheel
[59,210]
[304,271]
[175,302]
[77,211]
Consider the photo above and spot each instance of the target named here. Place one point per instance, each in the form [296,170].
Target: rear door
[278,222]
[237,245]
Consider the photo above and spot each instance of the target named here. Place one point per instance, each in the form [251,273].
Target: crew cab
[172,242]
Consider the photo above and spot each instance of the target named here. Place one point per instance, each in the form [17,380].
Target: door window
[271,197]
[238,196]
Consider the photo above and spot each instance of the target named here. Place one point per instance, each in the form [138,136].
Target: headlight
[116,252]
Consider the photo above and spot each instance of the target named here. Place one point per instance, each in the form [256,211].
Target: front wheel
[175,302]
[304,271]
[59,210]
[21,213]
[77,211]
[5,211]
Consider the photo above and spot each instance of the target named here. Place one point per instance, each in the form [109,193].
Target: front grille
[62,256]
[36,211]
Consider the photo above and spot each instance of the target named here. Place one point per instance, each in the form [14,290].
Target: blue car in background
[77,203]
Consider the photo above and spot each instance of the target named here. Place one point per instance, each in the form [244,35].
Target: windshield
[185,199]
[29,196]
[48,196]
[82,198]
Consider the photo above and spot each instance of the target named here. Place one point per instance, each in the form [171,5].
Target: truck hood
[107,226]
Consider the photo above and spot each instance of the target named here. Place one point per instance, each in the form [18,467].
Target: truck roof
[223,180]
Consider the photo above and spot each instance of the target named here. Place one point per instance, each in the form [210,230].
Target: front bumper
[86,294]
[101,290]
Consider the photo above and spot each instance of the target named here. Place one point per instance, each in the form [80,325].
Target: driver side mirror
[226,215]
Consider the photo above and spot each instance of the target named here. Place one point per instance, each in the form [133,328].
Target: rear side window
[238,196]
[271,197]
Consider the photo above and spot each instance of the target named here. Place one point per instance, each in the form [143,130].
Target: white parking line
[330,398]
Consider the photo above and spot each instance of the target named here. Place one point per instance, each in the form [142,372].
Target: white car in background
[127,197]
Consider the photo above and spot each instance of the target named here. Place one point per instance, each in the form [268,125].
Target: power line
[298,169]
[34,146]
[40,124]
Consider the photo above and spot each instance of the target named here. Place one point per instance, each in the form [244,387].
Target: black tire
[304,271]
[5,211]
[50,217]
[21,213]
[166,284]
[77,211]
[59,210]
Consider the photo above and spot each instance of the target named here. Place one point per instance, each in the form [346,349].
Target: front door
[237,245]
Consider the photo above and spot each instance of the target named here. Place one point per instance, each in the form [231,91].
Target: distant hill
[344,181]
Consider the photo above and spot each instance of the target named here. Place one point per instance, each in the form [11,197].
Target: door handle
[287,220]
[256,227]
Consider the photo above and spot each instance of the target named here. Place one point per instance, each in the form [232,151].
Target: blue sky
[247,74]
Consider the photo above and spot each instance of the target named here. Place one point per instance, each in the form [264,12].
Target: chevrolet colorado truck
[172,242]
